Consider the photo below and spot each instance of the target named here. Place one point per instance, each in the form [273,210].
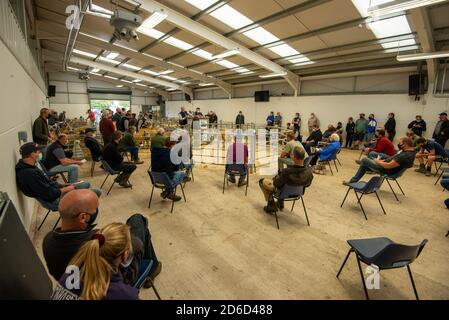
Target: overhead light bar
[119,86]
[95,70]
[112,55]
[205,84]
[423,56]
[156,18]
[165,72]
[272,75]
[400,5]
[227,53]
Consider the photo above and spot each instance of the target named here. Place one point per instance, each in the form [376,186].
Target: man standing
[107,127]
[240,119]
[371,128]
[278,120]
[57,161]
[117,117]
[296,175]
[390,126]
[313,122]
[297,126]
[41,134]
[441,132]
[360,128]
[270,119]
[418,126]
[183,115]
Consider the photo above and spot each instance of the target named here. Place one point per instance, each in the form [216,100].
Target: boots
[428,171]
[122,180]
[271,207]
[421,169]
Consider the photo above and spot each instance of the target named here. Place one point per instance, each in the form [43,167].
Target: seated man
[112,156]
[237,154]
[161,162]
[285,157]
[78,212]
[35,184]
[313,139]
[431,150]
[410,134]
[129,144]
[383,148]
[296,175]
[330,130]
[57,161]
[158,140]
[390,166]
[327,152]
[96,149]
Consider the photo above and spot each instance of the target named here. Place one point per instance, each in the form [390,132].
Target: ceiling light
[112,55]
[423,56]
[206,84]
[130,66]
[171,89]
[95,70]
[226,54]
[84,53]
[169,78]
[156,18]
[151,72]
[165,72]
[248,72]
[137,80]
[109,77]
[73,69]
[398,6]
[126,81]
[119,86]
[96,74]
[272,75]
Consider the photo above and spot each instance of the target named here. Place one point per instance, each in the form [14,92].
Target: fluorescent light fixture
[96,74]
[227,53]
[272,75]
[248,72]
[151,72]
[165,72]
[156,18]
[178,43]
[114,62]
[423,56]
[142,85]
[169,78]
[95,70]
[119,86]
[112,55]
[109,77]
[171,89]
[304,63]
[132,67]
[127,81]
[241,70]
[84,53]
[73,69]
[227,64]
[137,80]
[399,6]
[206,84]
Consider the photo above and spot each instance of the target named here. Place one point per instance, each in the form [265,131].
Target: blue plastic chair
[395,178]
[332,158]
[372,186]
[110,172]
[290,193]
[234,168]
[51,175]
[51,207]
[161,180]
[144,271]
[385,254]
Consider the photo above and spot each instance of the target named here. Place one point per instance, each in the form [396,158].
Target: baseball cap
[30,147]
[90,130]
[443,114]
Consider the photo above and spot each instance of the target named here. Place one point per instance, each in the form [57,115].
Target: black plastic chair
[336,157]
[439,161]
[144,271]
[95,159]
[385,254]
[290,193]
[162,181]
[51,207]
[372,186]
[110,172]
[234,169]
[51,175]
[394,178]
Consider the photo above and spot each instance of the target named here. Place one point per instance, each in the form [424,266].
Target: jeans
[134,151]
[445,184]
[86,185]
[72,170]
[374,155]
[241,172]
[367,165]
[178,178]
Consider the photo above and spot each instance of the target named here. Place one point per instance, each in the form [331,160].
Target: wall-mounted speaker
[417,84]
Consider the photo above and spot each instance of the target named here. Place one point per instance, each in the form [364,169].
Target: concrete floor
[219,246]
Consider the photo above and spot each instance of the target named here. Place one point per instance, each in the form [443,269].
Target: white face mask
[41,156]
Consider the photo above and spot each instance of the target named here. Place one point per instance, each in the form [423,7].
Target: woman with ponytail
[94,270]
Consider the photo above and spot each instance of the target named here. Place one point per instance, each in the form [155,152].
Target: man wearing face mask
[91,143]
[35,184]
[78,211]
[360,128]
[384,147]
[41,134]
[390,166]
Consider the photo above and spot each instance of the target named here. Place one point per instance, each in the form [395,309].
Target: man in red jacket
[384,147]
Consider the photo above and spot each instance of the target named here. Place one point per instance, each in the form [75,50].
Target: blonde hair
[96,260]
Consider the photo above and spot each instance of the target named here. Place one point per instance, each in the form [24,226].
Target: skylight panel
[261,36]
[201,4]
[284,50]
[231,17]
[203,54]
[178,43]
[227,64]
[152,33]
[169,78]
[132,67]
[298,60]
[151,72]
[115,62]
[84,53]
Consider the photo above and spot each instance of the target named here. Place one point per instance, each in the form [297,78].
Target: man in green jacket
[41,134]
[360,128]
[129,144]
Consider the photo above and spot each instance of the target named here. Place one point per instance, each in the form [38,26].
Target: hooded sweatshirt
[35,184]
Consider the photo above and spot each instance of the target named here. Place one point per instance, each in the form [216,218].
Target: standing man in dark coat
[41,134]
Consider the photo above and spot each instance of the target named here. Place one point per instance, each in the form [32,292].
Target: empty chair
[384,254]
[234,169]
[372,186]
[110,172]
[51,175]
[395,178]
[162,181]
[51,207]
[290,193]
[144,271]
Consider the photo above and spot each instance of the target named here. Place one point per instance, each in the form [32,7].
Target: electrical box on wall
[23,136]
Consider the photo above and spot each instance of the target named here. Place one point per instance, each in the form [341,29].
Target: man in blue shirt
[431,150]
[270,119]
[371,128]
